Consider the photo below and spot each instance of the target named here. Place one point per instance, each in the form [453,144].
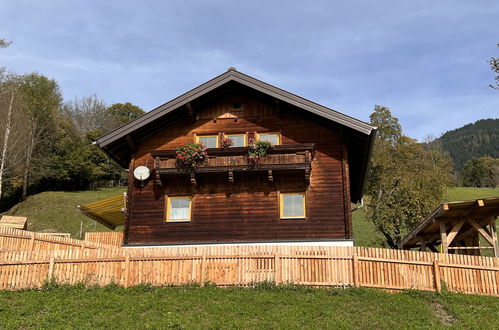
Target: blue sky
[426,60]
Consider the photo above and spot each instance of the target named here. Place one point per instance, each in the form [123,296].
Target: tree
[11,130]
[406,181]
[494,65]
[124,112]
[42,100]
[4,43]
[480,172]
[91,118]
[388,126]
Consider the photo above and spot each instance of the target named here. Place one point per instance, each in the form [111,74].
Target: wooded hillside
[471,141]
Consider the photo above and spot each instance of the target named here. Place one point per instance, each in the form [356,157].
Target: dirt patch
[445,317]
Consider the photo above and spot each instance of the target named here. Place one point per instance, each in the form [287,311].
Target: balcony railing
[234,159]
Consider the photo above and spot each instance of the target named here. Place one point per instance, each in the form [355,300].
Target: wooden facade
[232,198]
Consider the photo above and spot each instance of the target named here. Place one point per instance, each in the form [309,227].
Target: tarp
[109,212]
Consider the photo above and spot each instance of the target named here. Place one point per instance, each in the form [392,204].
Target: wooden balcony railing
[234,159]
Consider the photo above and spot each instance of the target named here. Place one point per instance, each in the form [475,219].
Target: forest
[46,143]
[474,149]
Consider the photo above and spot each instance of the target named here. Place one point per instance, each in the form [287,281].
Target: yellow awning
[109,212]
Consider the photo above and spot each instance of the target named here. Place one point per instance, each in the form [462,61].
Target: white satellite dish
[141,173]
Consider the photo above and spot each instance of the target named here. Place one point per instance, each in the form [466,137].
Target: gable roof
[117,142]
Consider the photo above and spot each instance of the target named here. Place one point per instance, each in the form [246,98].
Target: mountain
[470,141]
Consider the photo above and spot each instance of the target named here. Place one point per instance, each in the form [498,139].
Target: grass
[264,306]
[56,211]
[365,233]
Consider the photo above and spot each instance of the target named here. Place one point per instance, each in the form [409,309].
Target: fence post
[277,269]
[436,275]
[203,270]
[50,274]
[127,272]
[355,270]
[31,242]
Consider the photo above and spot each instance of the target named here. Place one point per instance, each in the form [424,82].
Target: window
[238,140]
[274,138]
[178,208]
[209,141]
[292,205]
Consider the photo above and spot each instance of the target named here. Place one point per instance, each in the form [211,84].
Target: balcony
[292,157]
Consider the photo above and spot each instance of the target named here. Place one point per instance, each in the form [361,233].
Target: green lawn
[56,211]
[265,306]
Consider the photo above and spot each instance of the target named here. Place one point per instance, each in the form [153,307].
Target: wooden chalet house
[299,193]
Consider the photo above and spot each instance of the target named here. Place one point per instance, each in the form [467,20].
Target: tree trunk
[27,165]
[6,141]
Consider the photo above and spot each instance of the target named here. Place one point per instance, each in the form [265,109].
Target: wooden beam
[493,231]
[454,231]
[423,246]
[443,237]
[190,112]
[277,107]
[471,230]
[481,231]
[131,142]
[307,175]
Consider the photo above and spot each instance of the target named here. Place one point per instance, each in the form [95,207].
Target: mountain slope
[470,141]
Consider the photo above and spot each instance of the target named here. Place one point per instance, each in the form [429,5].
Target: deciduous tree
[12,130]
[42,100]
[406,181]
[494,65]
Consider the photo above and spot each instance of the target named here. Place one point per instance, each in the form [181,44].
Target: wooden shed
[456,227]
[14,222]
[300,192]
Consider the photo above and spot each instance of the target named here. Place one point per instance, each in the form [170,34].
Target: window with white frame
[178,208]
[274,138]
[209,141]
[292,205]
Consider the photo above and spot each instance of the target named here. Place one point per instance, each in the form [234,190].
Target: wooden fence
[243,265]
[108,237]
[12,239]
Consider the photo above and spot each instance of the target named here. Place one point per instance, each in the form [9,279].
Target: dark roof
[359,134]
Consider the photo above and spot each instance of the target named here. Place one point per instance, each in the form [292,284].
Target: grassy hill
[263,307]
[56,211]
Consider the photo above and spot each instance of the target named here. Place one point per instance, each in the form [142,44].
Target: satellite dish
[141,173]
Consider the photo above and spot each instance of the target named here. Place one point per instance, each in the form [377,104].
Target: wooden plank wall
[247,209]
[244,265]
[108,237]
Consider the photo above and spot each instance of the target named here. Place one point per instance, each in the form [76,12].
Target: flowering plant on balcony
[191,154]
[257,149]
[226,142]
